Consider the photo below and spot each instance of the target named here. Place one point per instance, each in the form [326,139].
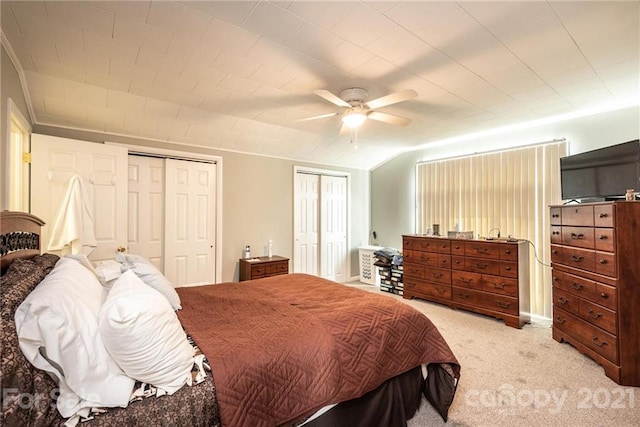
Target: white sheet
[73,229]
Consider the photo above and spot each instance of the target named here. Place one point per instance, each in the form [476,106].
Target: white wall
[393,183]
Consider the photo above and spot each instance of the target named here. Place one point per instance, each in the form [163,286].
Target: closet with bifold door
[320,224]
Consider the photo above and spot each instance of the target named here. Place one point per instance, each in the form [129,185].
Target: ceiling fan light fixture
[354,119]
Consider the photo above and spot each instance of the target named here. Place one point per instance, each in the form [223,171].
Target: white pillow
[57,327]
[144,336]
[108,271]
[150,275]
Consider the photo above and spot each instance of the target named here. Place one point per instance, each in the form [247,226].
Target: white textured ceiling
[238,75]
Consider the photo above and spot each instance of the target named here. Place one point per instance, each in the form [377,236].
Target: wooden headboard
[19,236]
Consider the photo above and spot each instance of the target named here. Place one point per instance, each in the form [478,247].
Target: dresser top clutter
[489,276]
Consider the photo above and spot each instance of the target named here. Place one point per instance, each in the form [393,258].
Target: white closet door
[307,192]
[103,170]
[146,208]
[190,195]
[333,226]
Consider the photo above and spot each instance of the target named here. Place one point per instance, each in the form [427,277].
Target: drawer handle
[508,252]
[562,300]
[444,261]
[576,258]
[411,285]
[465,280]
[500,286]
[555,233]
[503,304]
[575,236]
[555,279]
[481,251]
[594,315]
[602,237]
[577,286]
[482,266]
[603,295]
[555,252]
[437,275]
[599,343]
[603,261]
[508,268]
[555,215]
[457,261]
[560,320]
[603,215]
[444,245]
[441,291]
[463,296]
[457,246]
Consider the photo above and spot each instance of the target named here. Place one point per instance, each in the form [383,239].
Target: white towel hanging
[73,229]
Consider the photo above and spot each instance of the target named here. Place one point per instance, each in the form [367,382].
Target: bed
[285,350]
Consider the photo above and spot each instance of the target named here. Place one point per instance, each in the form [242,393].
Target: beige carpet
[521,377]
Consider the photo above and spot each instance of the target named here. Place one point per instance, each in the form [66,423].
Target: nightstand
[264,266]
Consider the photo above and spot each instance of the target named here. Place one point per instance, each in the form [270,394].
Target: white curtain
[507,192]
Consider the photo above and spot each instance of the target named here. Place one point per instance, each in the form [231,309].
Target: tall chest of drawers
[487,277]
[595,254]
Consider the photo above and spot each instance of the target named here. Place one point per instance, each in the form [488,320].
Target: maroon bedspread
[283,347]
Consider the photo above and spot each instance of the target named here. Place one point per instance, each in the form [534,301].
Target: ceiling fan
[357,108]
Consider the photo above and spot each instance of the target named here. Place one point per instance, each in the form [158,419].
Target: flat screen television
[602,174]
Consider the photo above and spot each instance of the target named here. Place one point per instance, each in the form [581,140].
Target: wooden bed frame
[19,236]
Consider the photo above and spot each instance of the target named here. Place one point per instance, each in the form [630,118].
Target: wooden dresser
[595,252]
[487,277]
[264,266]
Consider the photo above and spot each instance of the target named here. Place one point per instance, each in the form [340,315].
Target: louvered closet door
[190,194]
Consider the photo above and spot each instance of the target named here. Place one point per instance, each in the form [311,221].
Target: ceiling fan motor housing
[355,96]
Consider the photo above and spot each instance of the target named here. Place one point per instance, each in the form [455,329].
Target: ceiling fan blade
[392,98]
[321,116]
[388,118]
[331,97]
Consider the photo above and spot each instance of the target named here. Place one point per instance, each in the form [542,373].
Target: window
[507,192]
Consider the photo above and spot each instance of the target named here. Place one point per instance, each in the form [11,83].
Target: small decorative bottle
[247,252]
[630,194]
[270,248]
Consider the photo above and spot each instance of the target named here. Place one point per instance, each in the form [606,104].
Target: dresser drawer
[509,269]
[444,261]
[580,237]
[577,215]
[444,246]
[604,215]
[457,262]
[508,252]
[606,264]
[566,301]
[599,316]
[573,284]
[605,239]
[425,244]
[482,265]
[556,234]
[485,300]
[583,259]
[413,270]
[500,285]
[438,275]
[481,249]
[556,254]
[556,215]
[427,289]
[593,337]
[258,271]
[466,279]
[457,247]
[606,296]
[425,258]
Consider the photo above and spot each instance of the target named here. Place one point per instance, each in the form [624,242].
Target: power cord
[535,252]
